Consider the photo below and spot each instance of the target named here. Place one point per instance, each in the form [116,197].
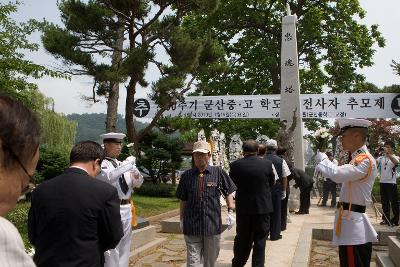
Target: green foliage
[150,206]
[89,43]
[51,163]
[332,46]
[248,129]
[396,67]
[156,190]
[58,133]
[19,217]
[15,69]
[160,155]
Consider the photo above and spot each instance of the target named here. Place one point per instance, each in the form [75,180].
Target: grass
[145,207]
[150,206]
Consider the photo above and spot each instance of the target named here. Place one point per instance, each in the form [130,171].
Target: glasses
[27,188]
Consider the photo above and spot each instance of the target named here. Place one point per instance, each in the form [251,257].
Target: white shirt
[285,169]
[12,253]
[386,171]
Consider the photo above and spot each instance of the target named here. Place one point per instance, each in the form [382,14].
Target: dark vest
[277,161]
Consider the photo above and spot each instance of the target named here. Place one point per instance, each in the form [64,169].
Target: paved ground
[291,250]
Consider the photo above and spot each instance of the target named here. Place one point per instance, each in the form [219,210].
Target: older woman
[19,153]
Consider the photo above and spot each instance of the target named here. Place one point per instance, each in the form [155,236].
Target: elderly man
[278,190]
[199,191]
[353,232]
[254,177]
[124,176]
[74,218]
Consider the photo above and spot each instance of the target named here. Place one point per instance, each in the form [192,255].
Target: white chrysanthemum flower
[129,145]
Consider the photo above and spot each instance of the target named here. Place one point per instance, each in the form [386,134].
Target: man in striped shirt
[199,191]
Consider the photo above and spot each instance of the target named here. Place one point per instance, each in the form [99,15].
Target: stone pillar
[290,85]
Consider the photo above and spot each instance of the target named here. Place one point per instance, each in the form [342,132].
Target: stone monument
[290,85]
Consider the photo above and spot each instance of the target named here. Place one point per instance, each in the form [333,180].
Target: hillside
[91,126]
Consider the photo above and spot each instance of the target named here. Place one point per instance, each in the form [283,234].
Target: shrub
[51,163]
[156,190]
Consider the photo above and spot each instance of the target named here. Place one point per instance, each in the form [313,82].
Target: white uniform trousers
[119,257]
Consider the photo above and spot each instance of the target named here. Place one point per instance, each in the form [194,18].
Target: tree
[396,67]
[332,46]
[162,155]
[14,68]
[58,133]
[152,30]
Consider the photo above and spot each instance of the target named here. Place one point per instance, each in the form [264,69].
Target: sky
[67,93]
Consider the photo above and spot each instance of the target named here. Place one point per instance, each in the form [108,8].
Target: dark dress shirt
[202,214]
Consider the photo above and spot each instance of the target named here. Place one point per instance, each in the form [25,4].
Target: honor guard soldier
[353,232]
[124,176]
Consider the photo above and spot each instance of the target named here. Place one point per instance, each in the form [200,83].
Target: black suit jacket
[254,178]
[73,220]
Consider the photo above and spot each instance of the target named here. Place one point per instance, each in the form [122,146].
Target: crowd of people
[84,216]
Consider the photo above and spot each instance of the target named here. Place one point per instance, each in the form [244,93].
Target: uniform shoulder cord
[356,161]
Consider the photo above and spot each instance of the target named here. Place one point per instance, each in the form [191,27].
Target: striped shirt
[201,192]
[12,253]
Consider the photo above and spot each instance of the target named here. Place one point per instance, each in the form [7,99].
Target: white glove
[231,219]
[283,195]
[131,159]
[320,157]
[181,225]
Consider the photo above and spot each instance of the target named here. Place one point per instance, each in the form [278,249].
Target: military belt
[354,207]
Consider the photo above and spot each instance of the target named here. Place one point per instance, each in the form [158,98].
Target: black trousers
[275,221]
[329,186]
[389,200]
[251,231]
[355,255]
[305,198]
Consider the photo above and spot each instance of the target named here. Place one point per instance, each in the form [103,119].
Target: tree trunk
[129,116]
[112,102]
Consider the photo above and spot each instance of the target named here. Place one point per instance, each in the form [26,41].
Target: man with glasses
[19,154]
[75,218]
[124,176]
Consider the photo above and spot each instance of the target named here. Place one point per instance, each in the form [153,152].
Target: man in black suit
[305,183]
[254,177]
[73,217]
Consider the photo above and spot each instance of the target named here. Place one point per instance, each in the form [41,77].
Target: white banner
[268,106]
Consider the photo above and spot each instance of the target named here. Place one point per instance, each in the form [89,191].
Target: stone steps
[143,241]
[392,257]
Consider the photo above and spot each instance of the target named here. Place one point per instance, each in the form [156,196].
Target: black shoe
[383,223]
[301,212]
[393,223]
[274,239]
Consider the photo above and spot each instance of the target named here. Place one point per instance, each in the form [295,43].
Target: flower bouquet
[321,139]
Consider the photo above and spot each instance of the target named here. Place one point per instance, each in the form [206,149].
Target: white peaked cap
[345,124]
[116,136]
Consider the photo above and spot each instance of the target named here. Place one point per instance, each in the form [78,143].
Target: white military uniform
[110,174]
[356,189]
